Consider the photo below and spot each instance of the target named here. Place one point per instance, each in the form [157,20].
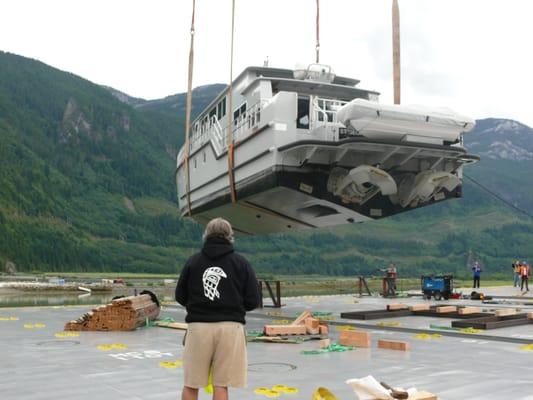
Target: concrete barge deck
[38,365]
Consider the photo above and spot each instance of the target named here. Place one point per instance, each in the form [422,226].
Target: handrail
[216,133]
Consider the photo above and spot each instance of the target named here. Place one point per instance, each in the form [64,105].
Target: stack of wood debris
[122,314]
[305,324]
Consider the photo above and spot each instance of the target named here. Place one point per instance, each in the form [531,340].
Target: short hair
[219,227]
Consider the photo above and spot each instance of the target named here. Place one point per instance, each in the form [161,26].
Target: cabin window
[302,119]
[221,108]
[212,114]
[203,154]
[195,162]
[239,114]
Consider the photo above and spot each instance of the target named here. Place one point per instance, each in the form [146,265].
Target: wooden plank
[446,309]
[423,395]
[323,329]
[301,318]
[468,310]
[276,330]
[530,315]
[394,345]
[324,343]
[396,306]
[173,325]
[419,307]
[354,338]
[312,326]
[505,311]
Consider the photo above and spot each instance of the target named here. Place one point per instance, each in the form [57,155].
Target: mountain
[174,104]
[87,185]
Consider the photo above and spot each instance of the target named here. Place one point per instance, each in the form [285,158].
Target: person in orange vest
[525,271]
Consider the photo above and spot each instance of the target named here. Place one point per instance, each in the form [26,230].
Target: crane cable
[498,197]
[317,47]
[188,115]
[231,160]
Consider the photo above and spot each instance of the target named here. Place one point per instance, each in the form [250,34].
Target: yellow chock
[323,393]
[345,328]
[107,347]
[392,323]
[67,334]
[40,325]
[261,390]
[13,318]
[4,319]
[527,347]
[272,393]
[281,322]
[470,330]
[171,364]
[28,326]
[291,390]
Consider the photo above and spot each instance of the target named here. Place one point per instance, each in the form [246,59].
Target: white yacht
[312,149]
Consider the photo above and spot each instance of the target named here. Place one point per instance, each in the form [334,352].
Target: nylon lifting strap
[188,115]
[231,159]
[317,47]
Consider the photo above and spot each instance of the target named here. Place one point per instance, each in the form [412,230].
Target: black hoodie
[217,284]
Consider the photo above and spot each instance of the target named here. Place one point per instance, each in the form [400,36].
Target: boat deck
[37,365]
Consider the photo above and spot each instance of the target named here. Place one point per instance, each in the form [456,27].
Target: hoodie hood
[215,247]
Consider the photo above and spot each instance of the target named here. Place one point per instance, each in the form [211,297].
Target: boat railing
[325,111]
[217,134]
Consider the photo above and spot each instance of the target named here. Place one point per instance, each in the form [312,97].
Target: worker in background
[217,286]
[525,272]
[516,273]
[476,268]
[389,282]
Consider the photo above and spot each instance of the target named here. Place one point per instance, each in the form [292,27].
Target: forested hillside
[86,184]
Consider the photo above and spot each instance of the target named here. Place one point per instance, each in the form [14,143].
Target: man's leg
[189,393]
[522,285]
[220,393]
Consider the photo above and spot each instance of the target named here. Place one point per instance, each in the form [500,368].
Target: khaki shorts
[217,345]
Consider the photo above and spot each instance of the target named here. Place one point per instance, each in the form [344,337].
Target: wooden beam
[396,306]
[419,307]
[505,311]
[276,330]
[354,338]
[446,309]
[468,310]
[394,345]
[301,318]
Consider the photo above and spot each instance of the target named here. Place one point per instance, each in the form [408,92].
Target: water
[16,298]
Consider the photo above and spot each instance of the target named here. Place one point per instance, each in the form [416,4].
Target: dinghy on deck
[310,149]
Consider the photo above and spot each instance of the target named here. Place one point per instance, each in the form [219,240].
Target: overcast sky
[474,56]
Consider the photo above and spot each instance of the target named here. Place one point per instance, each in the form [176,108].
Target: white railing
[324,111]
[217,134]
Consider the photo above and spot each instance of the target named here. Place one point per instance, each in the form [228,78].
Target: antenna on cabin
[265,63]
[396,50]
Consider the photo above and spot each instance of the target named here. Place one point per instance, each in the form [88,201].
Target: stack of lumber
[305,324]
[123,314]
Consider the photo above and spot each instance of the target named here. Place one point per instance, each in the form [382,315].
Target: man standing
[477,274]
[516,273]
[217,286]
[525,271]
